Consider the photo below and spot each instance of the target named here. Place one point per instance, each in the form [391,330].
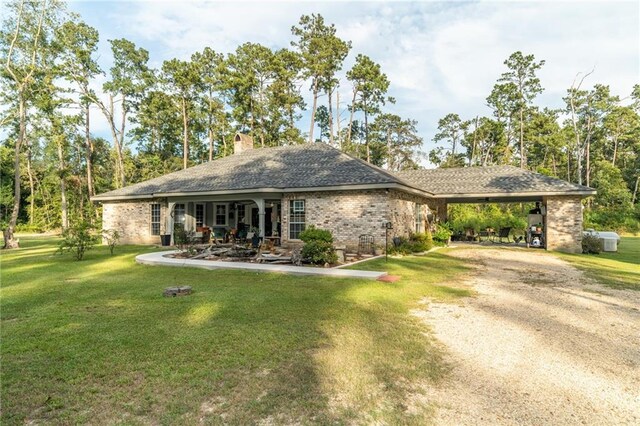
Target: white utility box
[608,240]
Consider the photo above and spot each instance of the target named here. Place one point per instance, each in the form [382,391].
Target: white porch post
[169,220]
[261,205]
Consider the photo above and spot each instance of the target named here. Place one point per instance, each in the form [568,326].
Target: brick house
[280,191]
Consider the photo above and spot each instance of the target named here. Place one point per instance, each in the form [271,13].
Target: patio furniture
[488,233]
[470,234]
[502,234]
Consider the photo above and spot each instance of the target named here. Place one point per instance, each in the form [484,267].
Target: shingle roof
[290,167]
[488,180]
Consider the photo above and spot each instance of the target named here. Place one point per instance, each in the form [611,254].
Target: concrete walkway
[159,258]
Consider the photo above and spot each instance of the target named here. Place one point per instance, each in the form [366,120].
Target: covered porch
[224,218]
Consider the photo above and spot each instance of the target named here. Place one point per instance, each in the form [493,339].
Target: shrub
[441,235]
[318,246]
[185,240]
[111,236]
[416,243]
[591,244]
[78,239]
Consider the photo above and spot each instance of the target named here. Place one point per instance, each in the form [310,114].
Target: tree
[211,67]
[524,85]
[451,130]
[78,42]
[25,34]
[182,80]
[370,86]
[130,76]
[395,142]
[322,54]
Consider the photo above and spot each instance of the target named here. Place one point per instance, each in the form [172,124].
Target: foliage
[481,216]
[112,237]
[591,244]
[419,242]
[441,235]
[318,246]
[185,240]
[78,238]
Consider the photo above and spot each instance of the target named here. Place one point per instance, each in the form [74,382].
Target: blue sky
[440,57]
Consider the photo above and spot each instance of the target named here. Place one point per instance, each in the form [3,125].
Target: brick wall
[132,220]
[349,214]
[564,223]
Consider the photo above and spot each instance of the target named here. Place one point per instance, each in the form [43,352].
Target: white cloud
[440,57]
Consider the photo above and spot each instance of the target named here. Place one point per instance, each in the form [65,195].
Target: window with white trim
[419,218]
[199,215]
[220,217]
[155,219]
[297,218]
[179,214]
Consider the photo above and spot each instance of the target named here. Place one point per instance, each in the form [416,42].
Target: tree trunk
[313,110]
[338,118]
[475,143]
[185,135]
[615,151]
[63,186]
[120,180]
[88,153]
[635,191]
[366,132]
[523,158]
[353,101]
[10,241]
[330,93]
[31,185]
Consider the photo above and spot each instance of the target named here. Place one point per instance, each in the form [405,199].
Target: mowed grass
[619,269]
[95,342]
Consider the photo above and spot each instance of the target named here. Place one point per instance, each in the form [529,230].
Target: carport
[562,201]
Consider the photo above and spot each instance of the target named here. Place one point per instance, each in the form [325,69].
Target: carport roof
[491,183]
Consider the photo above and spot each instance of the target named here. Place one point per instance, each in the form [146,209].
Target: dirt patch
[540,344]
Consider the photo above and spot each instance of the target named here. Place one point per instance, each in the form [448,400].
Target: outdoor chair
[504,233]
[470,234]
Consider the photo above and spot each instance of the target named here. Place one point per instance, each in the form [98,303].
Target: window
[419,218]
[199,215]
[155,219]
[296,218]
[220,218]
[179,214]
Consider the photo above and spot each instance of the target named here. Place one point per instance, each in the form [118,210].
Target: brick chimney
[242,143]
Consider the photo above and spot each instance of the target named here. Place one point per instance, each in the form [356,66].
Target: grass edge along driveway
[95,341]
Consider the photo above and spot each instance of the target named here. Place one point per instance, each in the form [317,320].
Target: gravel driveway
[539,344]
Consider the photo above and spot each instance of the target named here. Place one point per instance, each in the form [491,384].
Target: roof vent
[242,143]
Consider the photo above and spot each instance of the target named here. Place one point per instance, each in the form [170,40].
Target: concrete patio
[159,258]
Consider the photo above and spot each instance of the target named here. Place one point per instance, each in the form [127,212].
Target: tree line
[161,120]
[187,111]
[594,140]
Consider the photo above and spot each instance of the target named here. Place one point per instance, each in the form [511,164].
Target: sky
[440,57]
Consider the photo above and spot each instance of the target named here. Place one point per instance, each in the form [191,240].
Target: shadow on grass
[85,340]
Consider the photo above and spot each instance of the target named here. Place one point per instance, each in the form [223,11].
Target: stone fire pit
[177,291]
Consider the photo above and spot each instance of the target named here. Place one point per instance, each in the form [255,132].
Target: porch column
[261,206]
[169,220]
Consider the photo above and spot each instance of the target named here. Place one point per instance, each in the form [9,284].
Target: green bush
[77,239]
[185,240]
[318,246]
[316,234]
[591,244]
[112,237]
[416,243]
[442,235]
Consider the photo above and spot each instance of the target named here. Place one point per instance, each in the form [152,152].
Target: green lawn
[617,270]
[95,342]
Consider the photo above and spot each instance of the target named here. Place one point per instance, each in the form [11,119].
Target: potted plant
[255,238]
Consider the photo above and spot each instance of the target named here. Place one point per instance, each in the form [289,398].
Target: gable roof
[279,169]
[490,181]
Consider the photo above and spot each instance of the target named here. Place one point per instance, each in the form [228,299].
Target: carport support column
[261,206]
[564,223]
